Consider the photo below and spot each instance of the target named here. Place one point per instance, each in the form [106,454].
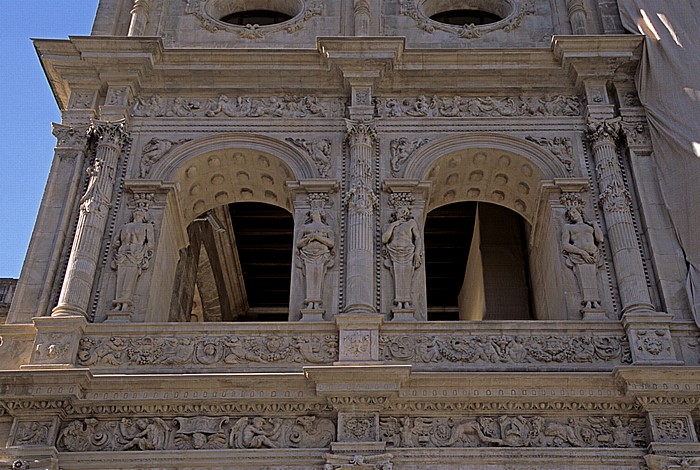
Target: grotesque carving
[315,250]
[133,251]
[153,151]
[404,249]
[560,147]
[581,242]
[401,150]
[319,151]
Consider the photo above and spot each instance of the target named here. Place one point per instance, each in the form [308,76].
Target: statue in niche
[133,251]
[315,249]
[581,243]
[404,249]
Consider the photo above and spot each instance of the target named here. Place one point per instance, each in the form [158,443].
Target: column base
[403,314]
[593,314]
[118,316]
[312,315]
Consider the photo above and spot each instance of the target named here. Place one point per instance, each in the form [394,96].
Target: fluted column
[361,203]
[362,17]
[139,17]
[577,16]
[616,203]
[94,207]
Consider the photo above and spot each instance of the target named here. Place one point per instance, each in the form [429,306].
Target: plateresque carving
[319,151]
[403,249]
[514,431]
[153,151]
[206,350]
[505,349]
[270,107]
[581,242]
[200,432]
[457,106]
[315,249]
[133,249]
[560,147]
[401,150]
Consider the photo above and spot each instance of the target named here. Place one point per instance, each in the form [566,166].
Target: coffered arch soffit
[220,170]
[503,170]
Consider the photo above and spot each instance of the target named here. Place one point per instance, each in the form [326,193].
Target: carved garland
[310,9]
[518,10]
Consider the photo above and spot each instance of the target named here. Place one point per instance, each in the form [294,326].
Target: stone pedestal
[56,342]
[650,338]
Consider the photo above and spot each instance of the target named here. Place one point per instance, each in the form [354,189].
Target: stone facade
[136,337]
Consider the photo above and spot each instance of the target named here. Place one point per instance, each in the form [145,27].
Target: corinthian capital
[361,132]
[110,133]
[603,129]
[70,137]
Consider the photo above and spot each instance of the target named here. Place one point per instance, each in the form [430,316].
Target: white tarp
[668,82]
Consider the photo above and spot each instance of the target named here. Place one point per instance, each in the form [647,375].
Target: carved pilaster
[361,202]
[617,205]
[577,16]
[94,206]
[139,17]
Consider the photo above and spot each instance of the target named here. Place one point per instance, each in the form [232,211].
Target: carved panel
[199,432]
[507,351]
[32,433]
[514,431]
[456,106]
[223,106]
[206,350]
[672,428]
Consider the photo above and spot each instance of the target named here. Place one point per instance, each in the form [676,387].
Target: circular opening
[259,12]
[466,12]
[258,17]
[466,17]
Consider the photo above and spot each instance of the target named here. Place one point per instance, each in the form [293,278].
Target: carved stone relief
[133,249]
[270,107]
[672,428]
[52,348]
[662,462]
[652,344]
[513,13]
[514,431]
[402,249]
[582,247]
[359,461]
[32,433]
[206,350]
[315,250]
[199,8]
[560,147]
[505,349]
[401,150]
[319,151]
[153,151]
[200,432]
[357,429]
[117,96]
[457,106]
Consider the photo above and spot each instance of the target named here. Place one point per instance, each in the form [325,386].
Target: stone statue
[403,246]
[581,242]
[315,248]
[133,251]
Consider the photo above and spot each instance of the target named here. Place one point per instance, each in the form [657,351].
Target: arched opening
[237,266]
[466,17]
[476,263]
[258,17]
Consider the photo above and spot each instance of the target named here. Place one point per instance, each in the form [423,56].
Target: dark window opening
[259,17]
[264,239]
[465,17]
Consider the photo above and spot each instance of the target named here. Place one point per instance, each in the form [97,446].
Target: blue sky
[27,113]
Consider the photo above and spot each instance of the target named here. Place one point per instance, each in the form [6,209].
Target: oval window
[466,17]
[258,17]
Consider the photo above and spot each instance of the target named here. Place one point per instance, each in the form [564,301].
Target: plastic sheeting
[668,82]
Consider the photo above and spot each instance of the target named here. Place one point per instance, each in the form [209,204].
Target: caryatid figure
[133,251]
[315,248]
[581,242]
[403,245]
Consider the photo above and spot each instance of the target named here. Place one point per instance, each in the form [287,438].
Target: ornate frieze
[201,9]
[488,106]
[505,350]
[199,432]
[514,431]
[32,433]
[206,350]
[250,107]
[512,11]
